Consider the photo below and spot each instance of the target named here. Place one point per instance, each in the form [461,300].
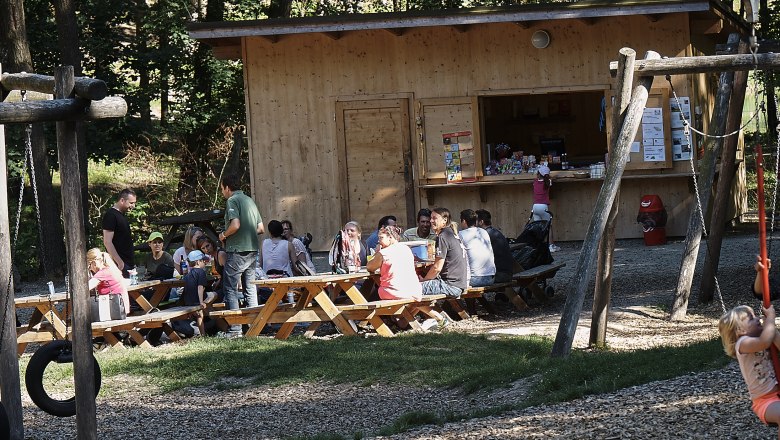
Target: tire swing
[59,351]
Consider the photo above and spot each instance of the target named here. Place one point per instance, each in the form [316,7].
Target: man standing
[242,225]
[502,255]
[423,229]
[117,237]
[449,273]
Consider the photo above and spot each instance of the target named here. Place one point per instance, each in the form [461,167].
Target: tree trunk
[728,168]
[13,34]
[70,53]
[706,177]
[584,271]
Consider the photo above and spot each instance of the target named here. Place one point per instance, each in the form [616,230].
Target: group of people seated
[471,253]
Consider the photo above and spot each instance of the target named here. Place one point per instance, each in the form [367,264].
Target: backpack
[336,254]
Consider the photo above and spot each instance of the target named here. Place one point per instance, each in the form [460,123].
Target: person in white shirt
[482,264]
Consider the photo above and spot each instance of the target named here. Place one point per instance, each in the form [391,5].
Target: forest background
[186,111]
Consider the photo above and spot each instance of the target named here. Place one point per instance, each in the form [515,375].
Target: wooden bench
[133,324]
[371,311]
[527,279]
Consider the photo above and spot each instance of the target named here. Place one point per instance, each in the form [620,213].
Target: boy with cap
[195,286]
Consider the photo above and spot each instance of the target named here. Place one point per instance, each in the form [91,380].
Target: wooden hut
[360,116]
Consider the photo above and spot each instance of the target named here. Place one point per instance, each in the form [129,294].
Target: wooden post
[9,363]
[706,177]
[584,270]
[601,296]
[76,243]
[728,168]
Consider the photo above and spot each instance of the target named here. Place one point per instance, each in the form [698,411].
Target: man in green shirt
[243,223]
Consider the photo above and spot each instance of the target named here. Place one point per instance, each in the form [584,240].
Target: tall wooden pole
[76,244]
[9,363]
[598,221]
[728,168]
[706,177]
[601,296]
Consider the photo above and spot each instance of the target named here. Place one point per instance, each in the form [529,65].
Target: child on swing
[745,338]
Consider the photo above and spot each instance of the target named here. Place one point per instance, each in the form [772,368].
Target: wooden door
[374,139]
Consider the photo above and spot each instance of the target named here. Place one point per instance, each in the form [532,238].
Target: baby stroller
[532,247]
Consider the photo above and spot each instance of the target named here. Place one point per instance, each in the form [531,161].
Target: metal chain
[687,130]
[15,236]
[28,149]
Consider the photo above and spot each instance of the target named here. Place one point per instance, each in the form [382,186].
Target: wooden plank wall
[294,83]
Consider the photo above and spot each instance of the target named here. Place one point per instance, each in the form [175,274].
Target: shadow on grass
[443,360]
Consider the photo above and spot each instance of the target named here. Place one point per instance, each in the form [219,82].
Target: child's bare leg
[772,415]
[199,321]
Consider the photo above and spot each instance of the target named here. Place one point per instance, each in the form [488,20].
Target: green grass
[461,361]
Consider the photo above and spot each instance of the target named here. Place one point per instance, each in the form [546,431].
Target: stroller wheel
[549,291]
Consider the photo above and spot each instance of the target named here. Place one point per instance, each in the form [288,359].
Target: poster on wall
[680,112]
[459,158]
[653,135]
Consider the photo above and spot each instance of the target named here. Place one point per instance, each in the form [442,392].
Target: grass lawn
[448,360]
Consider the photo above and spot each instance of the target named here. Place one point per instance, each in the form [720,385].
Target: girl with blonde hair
[106,277]
[745,338]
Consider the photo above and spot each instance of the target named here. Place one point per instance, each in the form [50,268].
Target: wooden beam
[9,363]
[707,27]
[87,88]
[76,244]
[585,264]
[72,109]
[604,267]
[706,176]
[703,64]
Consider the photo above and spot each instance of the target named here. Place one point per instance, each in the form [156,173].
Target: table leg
[112,340]
[55,319]
[333,313]
[268,309]
[515,299]
[141,300]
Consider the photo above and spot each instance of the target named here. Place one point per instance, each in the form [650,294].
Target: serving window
[567,130]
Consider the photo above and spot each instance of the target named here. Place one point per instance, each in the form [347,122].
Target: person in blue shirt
[195,286]
[373,240]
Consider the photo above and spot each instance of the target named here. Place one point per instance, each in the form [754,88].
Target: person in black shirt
[501,252]
[195,286]
[117,238]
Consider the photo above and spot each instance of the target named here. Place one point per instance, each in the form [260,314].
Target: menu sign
[459,158]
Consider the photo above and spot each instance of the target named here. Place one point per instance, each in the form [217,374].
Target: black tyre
[5,425]
[60,352]
[549,291]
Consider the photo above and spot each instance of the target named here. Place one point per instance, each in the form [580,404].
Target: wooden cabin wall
[293,85]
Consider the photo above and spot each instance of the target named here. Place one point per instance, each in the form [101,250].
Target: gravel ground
[706,405]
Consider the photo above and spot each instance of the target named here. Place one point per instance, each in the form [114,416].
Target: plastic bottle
[133,276]
[184,266]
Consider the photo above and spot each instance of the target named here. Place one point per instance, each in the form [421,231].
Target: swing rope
[763,248]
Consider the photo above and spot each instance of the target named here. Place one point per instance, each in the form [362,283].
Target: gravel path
[707,405]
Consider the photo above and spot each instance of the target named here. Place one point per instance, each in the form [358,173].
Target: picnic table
[52,314]
[202,219]
[315,304]
[161,288]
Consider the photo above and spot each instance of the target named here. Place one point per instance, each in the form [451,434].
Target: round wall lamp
[540,39]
